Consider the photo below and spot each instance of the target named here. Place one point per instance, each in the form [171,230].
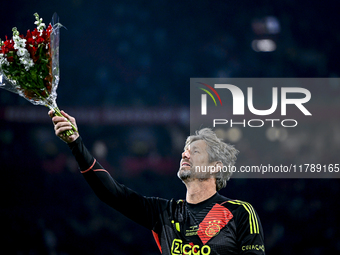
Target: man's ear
[218,165]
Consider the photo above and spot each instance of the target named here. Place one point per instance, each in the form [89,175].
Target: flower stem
[55,110]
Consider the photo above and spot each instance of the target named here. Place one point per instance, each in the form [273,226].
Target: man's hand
[61,124]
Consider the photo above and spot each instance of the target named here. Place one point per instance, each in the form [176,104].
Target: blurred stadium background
[125,73]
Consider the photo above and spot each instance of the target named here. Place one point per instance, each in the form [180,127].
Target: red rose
[35,32]
[7,46]
[40,40]
[30,41]
[33,51]
[28,34]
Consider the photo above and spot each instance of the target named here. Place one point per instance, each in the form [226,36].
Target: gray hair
[217,151]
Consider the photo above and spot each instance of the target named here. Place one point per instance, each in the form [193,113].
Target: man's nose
[186,154]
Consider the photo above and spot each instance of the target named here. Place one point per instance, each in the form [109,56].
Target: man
[205,223]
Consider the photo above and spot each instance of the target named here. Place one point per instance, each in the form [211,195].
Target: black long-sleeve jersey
[218,225]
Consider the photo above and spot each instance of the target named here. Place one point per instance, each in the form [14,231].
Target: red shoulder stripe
[155,235]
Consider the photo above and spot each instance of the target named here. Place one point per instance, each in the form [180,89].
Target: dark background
[130,56]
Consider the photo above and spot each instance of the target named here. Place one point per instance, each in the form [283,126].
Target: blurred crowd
[142,54]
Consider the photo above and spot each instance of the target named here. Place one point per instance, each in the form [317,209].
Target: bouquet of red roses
[29,65]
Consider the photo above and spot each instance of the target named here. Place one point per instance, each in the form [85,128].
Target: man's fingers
[68,116]
[60,131]
[62,124]
[57,119]
[65,114]
[60,128]
[50,113]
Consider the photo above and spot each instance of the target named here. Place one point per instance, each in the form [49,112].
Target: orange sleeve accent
[100,170]
[89,167]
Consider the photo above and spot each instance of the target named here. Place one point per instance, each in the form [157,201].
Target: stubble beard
[184,174]
[191,174]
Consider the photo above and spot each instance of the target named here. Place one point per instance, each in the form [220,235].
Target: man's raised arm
[144,211]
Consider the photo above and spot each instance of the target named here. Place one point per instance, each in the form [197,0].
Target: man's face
[193,162]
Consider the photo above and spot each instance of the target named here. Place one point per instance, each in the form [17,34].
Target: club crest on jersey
[214,221]
[213,228]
